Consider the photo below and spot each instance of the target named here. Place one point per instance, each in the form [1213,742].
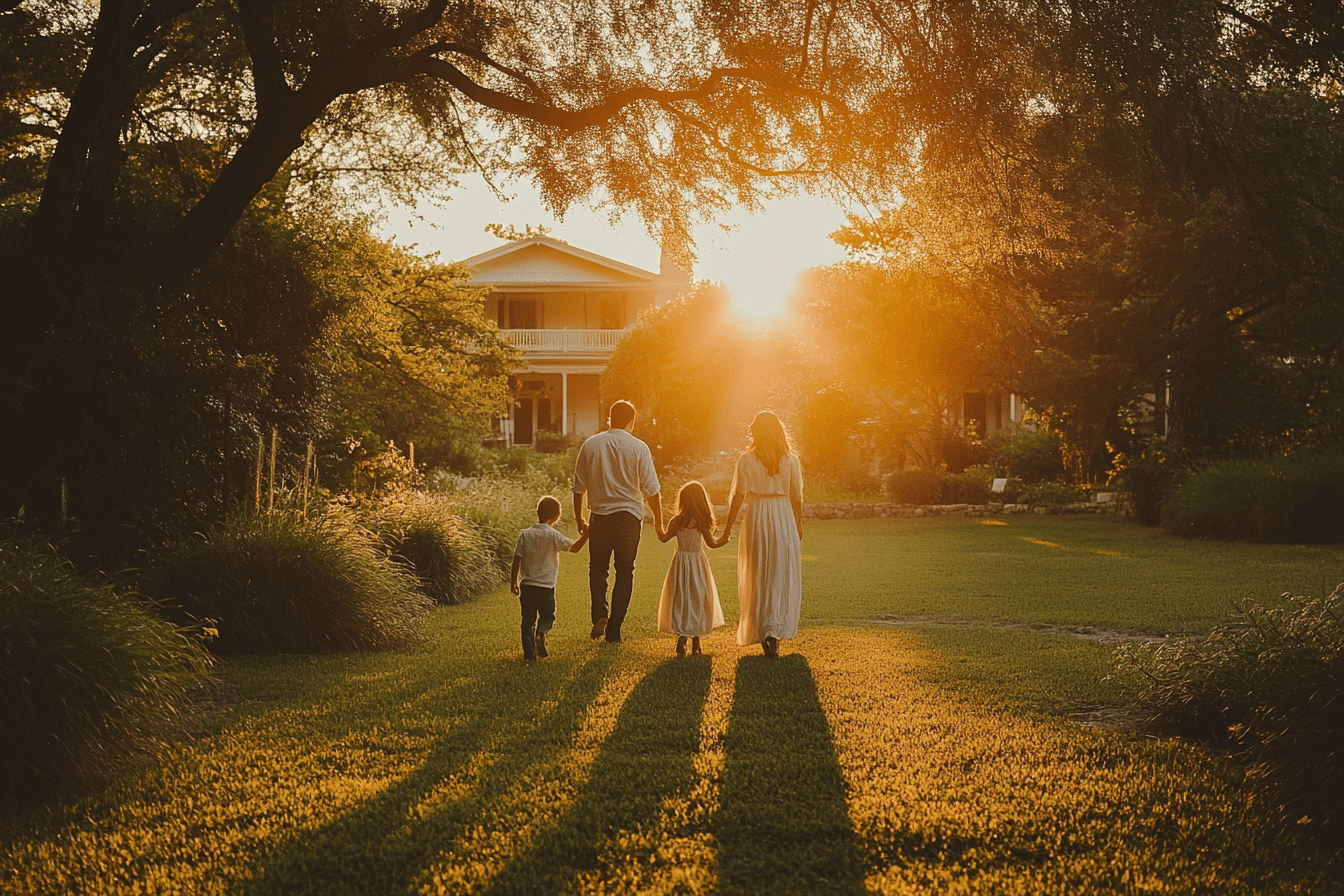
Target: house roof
[542,260]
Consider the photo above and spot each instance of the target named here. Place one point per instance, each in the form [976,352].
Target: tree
[419,362]
[1150,186]
[906,345]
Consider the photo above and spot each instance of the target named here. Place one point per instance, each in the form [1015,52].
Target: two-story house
[565,309]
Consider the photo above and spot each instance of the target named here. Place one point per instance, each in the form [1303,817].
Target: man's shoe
[540,643]
[599,629]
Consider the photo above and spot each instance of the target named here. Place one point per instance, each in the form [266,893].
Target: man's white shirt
[615,470]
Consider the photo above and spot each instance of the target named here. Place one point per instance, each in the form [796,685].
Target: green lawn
[870,757]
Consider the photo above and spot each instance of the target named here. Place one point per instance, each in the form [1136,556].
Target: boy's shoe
[599,629]
[529,661]
[540,644]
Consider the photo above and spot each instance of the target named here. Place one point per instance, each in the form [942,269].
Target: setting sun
[759,301]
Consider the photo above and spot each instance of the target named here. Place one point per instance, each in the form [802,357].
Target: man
[615,470]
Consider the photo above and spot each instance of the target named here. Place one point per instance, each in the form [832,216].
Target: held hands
[513,586]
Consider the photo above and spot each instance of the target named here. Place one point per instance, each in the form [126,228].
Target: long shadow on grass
[647,759]
[384,843]
[783,822]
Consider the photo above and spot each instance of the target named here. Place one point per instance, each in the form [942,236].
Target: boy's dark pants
[538,615]
[608,534]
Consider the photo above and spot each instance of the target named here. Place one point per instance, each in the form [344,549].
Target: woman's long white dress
[769,552]
[689,605]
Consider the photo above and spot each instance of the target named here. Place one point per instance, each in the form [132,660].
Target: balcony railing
[564,341]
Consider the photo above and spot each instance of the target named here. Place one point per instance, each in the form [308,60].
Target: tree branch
[1256,24]
[268,75]
[566,119]
[479,56]
[733,154]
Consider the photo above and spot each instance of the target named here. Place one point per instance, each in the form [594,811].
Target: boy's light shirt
[540,547]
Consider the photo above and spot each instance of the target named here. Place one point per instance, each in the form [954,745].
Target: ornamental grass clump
[447,556]
[89,673]
[280,583]
[1270,687]
[499,507]
[1278,499]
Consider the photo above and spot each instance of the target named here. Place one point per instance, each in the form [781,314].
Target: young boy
[536,566]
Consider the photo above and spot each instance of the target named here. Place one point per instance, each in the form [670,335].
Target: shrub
[447,556]
[87,672]
[279,583]
[1269,686]
[550,443]
[937,487]
[1030,455]
[1044,493]
[1274,499]
[1148,479]
[914,487]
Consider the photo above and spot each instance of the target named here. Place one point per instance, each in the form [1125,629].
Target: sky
[758,259]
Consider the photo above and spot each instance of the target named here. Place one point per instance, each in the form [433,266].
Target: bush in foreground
[1279,499]
[279,583]
[1269,686]
[447,556]
[87,672]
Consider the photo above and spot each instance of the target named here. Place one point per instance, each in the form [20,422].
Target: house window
[612,314]
[523,314]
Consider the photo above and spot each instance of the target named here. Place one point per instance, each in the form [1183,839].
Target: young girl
[689,606]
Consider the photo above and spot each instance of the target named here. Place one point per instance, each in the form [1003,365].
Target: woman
[769,483]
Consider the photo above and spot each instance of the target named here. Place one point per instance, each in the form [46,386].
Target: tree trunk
[203,229]
[92,112]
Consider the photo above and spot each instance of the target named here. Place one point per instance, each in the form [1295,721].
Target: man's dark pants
[538,615]
[612,534]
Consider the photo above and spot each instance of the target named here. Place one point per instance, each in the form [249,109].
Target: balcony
[593,343]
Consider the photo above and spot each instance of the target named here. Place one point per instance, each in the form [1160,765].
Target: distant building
[566,309]
[988,412]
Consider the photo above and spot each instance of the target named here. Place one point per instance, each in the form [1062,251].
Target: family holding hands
[615,474]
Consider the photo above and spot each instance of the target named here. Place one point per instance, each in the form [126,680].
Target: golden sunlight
[756,302]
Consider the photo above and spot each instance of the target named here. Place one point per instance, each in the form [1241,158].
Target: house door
[522,422]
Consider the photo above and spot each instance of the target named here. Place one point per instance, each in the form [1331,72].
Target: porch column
[564,404]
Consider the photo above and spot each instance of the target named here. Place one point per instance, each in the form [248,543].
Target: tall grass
[280,583]
[448,556]
[501,505]
[1269,686]
[1279,499]
[88,672]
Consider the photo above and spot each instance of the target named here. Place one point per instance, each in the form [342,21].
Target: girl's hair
[693,509]
[769,441]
